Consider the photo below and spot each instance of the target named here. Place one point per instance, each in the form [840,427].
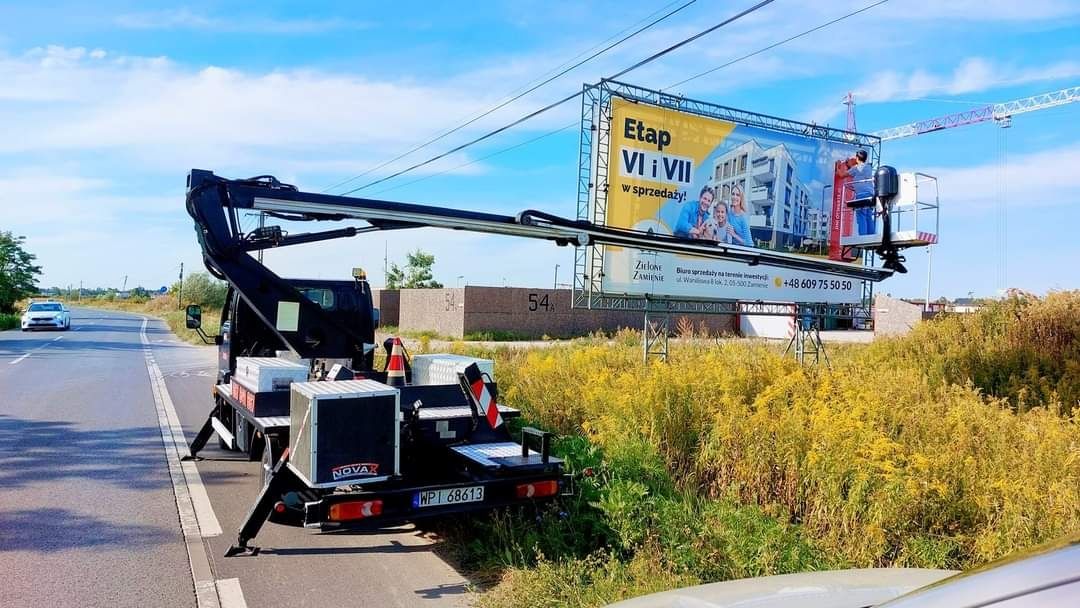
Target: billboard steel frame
[594,145]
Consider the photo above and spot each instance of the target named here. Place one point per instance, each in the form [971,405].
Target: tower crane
[1000,113]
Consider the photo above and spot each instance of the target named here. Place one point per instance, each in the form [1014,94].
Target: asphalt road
[88,512]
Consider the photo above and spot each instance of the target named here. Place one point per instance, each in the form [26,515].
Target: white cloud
[54,201]
[972,75]
[186,19]
[1039,179]
[95,230]
[162,115]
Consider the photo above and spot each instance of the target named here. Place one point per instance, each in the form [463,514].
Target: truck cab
[245,334]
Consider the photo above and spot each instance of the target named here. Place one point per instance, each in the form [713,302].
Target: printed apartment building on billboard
[673,172]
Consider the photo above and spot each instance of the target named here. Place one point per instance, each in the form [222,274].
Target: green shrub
[8,321]
[201,288]
[1023,349]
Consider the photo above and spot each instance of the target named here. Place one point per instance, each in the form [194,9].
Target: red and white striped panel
[487,403]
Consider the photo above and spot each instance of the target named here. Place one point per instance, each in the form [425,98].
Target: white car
[1047,576]
[46,315]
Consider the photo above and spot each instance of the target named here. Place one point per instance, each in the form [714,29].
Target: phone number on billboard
[818,284]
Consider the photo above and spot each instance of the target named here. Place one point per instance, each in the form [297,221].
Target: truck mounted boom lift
[452,458]
[208,194]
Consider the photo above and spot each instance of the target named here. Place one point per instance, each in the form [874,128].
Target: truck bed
[281,423]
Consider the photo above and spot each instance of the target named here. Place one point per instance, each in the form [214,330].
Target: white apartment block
[778,203]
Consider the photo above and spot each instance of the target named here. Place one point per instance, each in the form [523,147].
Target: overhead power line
[521,144]
[778,43]
[558,103]
[720,67]
[517,96]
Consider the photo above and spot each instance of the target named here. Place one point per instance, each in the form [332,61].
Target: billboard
[699,177]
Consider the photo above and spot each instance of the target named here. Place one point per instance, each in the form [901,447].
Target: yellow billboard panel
[658,151]
[679,173]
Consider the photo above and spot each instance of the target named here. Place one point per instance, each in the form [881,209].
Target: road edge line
[230,593]
[202,575]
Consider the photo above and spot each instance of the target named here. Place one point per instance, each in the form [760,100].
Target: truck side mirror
[193,316]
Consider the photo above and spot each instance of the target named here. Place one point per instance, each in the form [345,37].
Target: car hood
[830,589]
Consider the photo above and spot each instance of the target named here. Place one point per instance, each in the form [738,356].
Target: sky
[106,106]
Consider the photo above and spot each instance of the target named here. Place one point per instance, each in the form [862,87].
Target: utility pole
[556,285]
[80,291]
[180,293]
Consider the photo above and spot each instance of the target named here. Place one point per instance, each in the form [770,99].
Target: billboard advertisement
[698,177]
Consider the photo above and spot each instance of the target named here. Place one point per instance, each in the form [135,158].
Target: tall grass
[947,448]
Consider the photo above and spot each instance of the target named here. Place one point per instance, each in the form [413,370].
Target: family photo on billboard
[758,188]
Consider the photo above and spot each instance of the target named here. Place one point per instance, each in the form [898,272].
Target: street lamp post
[929,260]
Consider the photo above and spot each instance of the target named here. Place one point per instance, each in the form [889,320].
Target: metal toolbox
[443,368]
[266,403]
[344,433]
[265,374]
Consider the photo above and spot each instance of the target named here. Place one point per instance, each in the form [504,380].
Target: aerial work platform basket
[913,213]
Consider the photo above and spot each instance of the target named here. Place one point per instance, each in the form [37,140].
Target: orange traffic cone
[395,369]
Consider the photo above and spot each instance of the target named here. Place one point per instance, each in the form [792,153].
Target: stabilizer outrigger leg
[281,480]
[199,442]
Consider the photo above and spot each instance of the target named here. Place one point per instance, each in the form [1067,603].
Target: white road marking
[14,361]
[208,522]
[230,593]
[197,519]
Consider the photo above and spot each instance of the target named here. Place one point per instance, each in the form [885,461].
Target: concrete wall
[388,301]
[529,313]
[438,310]
[537,312]
[895,317]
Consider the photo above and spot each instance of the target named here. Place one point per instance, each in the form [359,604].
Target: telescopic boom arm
[213,202]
